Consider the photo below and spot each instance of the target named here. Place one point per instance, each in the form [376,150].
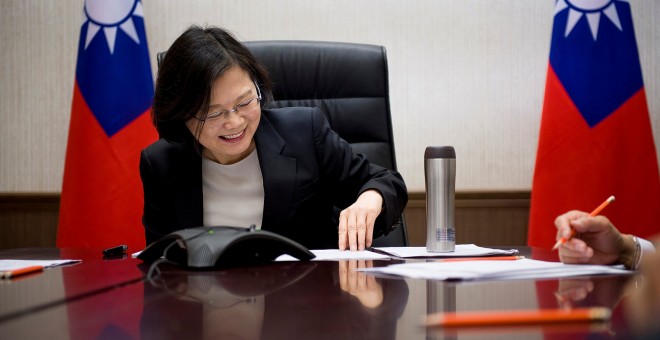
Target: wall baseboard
[28,219]
[485,218]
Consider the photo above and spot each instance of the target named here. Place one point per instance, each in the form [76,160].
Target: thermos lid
[439,152]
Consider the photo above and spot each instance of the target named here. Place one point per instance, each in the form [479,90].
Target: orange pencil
[491,258]
[592,214]
[16,272]
[518,317]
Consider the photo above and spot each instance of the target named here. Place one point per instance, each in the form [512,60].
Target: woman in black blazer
[224,159]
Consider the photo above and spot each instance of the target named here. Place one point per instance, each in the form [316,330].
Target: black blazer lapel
[187,183]
[278,172]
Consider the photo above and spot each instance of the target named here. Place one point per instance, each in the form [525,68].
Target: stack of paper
[336,255]
[385,253]
[493,270]
[461,250]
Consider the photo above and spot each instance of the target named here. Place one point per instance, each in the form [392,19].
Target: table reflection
[598,291]
[362,286]
[642,306]
[635,302]
[279,300]
[595,291]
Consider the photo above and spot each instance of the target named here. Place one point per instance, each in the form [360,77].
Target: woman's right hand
[595,240]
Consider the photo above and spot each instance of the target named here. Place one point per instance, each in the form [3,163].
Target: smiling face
[229,137]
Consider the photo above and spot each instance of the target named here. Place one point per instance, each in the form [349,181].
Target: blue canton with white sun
[595,56]
[113,68]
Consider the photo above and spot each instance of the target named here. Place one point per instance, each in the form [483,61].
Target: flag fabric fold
[102,199]
[595,139]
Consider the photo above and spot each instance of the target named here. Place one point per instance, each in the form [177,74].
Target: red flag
[102,200]
[596,139]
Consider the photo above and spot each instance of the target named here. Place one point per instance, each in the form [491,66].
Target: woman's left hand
[356,223]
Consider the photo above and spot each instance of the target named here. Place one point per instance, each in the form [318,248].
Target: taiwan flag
[595,139]
[102,198]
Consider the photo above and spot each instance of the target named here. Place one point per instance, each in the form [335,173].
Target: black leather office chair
[349,83]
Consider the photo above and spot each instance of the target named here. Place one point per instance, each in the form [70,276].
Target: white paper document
[336,254]
[461,250]
[493,270]
[7,265]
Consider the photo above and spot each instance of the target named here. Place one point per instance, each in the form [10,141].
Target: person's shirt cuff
[647,246]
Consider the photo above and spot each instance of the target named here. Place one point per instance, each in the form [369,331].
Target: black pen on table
[378,251]
[115,250]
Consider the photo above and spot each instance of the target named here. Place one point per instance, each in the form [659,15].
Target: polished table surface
[103,298]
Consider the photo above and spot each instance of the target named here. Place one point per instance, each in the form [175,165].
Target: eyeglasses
[241,109]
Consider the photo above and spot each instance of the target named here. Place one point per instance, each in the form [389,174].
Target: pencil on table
[518,317]
[483,258]
[20,271]
[592,214]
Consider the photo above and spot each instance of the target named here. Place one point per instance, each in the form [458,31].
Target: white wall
[468,73]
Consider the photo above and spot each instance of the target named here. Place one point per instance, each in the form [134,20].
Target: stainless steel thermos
[440,178]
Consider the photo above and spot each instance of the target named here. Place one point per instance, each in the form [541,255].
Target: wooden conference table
[112,299]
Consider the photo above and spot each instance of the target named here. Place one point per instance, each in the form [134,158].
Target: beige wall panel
[467,73]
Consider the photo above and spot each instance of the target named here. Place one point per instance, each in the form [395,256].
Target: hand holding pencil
[599,241]
[595,212]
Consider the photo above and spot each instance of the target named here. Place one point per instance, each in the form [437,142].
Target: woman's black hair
[186,75]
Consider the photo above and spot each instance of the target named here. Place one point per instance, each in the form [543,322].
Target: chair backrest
[349,83]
